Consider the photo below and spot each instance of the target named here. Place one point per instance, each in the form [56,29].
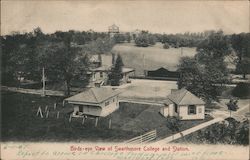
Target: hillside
[154,56]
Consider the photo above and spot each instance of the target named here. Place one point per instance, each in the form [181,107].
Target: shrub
[166,46]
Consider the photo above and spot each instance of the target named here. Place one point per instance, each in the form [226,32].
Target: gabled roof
[184,97]
[95,58]
[93,95]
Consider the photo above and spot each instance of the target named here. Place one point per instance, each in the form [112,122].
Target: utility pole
[43,79]
[143,57]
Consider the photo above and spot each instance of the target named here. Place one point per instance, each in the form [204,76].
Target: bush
[241,90]
[166,46]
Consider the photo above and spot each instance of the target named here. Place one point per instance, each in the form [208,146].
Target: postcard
[127,80]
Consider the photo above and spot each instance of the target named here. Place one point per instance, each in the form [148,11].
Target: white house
[184,105]
[98,102]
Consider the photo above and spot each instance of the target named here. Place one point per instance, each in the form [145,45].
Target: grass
[19,122]
[148,89]
[155,56]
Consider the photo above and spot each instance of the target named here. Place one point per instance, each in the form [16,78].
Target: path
[33,91]
[189,131]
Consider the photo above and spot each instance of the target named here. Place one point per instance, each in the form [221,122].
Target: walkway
[33,91]
[189,131]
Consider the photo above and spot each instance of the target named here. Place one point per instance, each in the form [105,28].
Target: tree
[193,77]
[144,39]
[63,64]
[243,66]
[202,74]
[116,72]
[119,38]
[166,46]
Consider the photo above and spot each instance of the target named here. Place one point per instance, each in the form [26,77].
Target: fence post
[46,107]
[39,111]
[54,106]
[83,119]
[47,114]
[110,123]
[96,121]
[70,118]
[57,116]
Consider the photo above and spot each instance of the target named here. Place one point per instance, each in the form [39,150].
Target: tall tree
[63,64]
[116,71]
[202,74]
[241,45]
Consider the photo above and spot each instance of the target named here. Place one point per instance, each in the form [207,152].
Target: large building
[112,30]
[184,105]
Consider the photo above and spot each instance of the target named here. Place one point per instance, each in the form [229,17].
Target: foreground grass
[20,123]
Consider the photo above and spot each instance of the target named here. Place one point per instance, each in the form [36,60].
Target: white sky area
[155,16]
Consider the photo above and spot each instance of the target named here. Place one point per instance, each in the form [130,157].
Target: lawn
[155,56]
[19,122]
[148,89]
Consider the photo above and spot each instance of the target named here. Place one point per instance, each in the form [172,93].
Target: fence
[145,138]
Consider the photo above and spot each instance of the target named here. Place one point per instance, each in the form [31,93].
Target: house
[101,67]
[184,105]
[99,75]
[95,61]
[97,102]
[162,73]
[112,30]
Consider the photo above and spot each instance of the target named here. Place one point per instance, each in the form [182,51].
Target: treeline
[145,39]
[63,55]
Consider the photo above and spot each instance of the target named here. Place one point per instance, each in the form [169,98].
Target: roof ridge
[94,94]
[186,91]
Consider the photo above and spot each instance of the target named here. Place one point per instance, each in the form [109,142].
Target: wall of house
[89,110]
[164,111]
[200,112]
[168,111]
[97,76]
[113,105]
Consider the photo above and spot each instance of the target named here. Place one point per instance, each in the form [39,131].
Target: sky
[154,16]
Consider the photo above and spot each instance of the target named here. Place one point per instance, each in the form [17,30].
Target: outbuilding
[184,105]
[97,102]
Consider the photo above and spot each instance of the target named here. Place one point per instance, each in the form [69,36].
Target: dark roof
[184,97]
[93,95]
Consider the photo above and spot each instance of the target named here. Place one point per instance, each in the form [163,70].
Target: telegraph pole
[43,79]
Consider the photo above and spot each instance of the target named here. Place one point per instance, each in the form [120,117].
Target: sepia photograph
[125,79]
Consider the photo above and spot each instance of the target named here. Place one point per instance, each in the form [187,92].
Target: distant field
[155,56]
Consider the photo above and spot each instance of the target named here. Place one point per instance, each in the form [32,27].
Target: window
[101,74]
[106,103]
[80,108]
[175,108]
[191,109]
